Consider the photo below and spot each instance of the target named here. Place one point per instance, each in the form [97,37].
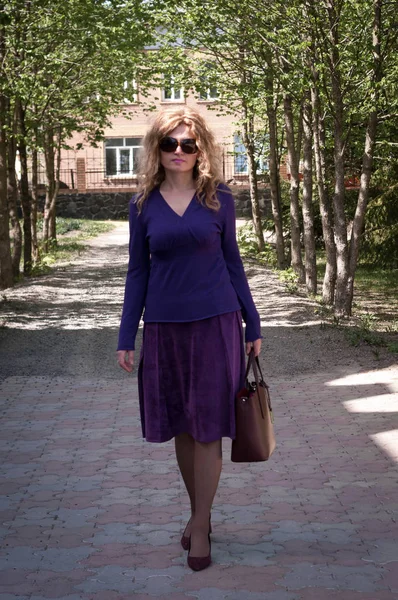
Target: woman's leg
[207,471]
[185,452]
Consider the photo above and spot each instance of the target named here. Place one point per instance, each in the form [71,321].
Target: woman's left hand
[256,345]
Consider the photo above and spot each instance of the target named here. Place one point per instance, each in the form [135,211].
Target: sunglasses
[170,144]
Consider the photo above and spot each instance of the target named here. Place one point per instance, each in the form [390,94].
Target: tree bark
[325,207]
[35,245]
[49,205]
[308,210]
[6,275]
[340,225]
[297,261]
[57,167]
[367,158]
[24,192]
[12,193]
[16,230]
[256,213]
[275,187]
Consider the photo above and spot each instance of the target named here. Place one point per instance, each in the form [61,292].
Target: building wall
[85,169]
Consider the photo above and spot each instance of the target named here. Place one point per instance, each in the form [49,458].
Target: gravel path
[66,323]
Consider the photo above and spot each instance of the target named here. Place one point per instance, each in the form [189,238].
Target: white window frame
[95,96]
[131,84]
[263,162]
[173,91]
[208,97]
[241,155]
[118,174]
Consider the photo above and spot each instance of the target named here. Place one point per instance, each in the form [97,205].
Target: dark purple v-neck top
[184,268]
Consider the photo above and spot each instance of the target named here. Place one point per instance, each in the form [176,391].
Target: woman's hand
[256,345]
[125,358]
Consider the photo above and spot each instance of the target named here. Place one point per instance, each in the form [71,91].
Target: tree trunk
[367,159]
[35,245]
[12,189]
[340,225]
[50,187]
[16,230]
[274,178]
[256,213]
[24,189]
[299,136]
[325,205]
[297,261]
[308,210]
[6,275]
[53,222]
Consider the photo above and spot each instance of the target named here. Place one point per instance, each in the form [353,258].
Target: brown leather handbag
[255,437]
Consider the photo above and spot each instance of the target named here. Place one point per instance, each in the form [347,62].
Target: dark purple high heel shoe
[185,538]
[198,563]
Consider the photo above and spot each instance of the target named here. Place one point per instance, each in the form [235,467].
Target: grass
[71,235]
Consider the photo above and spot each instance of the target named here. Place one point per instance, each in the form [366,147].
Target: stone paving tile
[89,511]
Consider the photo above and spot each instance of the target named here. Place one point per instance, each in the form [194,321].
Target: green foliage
[357,336]
[382,282]
[93,228]
[364,333]
[66,62]
[63,225]
[392,347]
[248,246]
[61,251]
[246,239]
[290,278]
[380,238]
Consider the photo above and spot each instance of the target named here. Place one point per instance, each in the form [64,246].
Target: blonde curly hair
[207,171]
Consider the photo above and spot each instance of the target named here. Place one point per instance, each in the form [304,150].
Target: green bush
[290,278]
[380,238]
[248,246]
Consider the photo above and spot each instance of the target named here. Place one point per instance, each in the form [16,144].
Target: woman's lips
[178,160]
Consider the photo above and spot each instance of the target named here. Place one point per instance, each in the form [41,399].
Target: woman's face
[178,161]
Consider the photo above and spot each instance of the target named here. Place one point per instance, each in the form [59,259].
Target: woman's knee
[211,447]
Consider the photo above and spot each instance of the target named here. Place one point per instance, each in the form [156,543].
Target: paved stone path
[91,511]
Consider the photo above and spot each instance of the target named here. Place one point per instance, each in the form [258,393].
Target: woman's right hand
[125,358]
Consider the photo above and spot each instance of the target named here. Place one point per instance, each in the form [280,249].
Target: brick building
[112,165]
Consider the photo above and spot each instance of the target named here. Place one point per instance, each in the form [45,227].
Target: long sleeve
[136,280]
[237,273]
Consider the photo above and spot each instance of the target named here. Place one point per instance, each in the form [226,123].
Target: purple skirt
[188,376]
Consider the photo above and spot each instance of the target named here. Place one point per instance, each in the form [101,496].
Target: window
[121,156]
[130,89]
[240,157]
[207,81]
[171,93]
[210,93]
[94,96]
[262,165]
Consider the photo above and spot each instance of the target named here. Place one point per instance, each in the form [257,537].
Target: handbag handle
[251,361]
[256,364]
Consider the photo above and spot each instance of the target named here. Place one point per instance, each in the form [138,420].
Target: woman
[186,270]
